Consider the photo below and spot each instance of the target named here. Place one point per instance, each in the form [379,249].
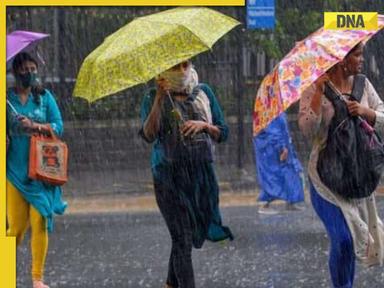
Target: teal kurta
[194,183]
[44,197]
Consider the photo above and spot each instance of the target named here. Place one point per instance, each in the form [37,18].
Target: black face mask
[27,79]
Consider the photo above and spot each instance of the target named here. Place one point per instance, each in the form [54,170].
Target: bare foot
[267,209]
[39,284]
[294,207]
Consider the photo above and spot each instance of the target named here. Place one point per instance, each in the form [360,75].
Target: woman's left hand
[355,108]
[192,127]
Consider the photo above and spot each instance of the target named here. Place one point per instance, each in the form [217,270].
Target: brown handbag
[48,159]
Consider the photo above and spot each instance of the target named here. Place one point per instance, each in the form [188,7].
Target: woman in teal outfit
[181,117]
[30,203]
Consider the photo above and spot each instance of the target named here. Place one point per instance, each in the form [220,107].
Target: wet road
[123,250]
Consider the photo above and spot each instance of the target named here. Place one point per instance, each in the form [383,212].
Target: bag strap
[358,87]
[192,96]
[190,99]
[53,135]
[50,134]
[330,93]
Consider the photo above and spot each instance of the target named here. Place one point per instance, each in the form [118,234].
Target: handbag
[48,159]
[352,161]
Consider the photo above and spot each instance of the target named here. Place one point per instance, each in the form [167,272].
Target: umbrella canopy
[148,46]
[19,41]
[306,62]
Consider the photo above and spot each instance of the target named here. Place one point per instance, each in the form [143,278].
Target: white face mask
[177,79]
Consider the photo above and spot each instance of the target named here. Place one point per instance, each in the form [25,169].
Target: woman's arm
[151,121]
[54,119]
[376,106]
[218,130]
[310,108]
[192,127]
[151,111]
[309,113]
[357,109]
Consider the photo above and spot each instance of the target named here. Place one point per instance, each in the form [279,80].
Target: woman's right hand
[162,89]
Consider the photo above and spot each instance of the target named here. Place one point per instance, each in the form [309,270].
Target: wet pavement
[124,250]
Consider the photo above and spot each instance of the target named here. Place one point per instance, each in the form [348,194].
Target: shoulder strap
[358,87]
[330,93]
[191,97]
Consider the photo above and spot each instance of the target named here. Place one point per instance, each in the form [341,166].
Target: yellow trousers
[20,214]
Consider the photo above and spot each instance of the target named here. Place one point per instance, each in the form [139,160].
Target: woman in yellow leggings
[21,215]
[30,203]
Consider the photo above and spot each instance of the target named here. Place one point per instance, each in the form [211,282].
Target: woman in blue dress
[181,117]
[31,203]
[278,169]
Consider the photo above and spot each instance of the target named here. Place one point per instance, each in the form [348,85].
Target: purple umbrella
[18,41]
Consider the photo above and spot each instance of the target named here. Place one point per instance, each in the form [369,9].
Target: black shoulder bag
[352,161]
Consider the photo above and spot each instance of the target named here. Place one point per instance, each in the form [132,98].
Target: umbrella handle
[13,108]
[174,106]
[170,98]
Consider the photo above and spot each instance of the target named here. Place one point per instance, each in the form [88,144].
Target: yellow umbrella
[148,46]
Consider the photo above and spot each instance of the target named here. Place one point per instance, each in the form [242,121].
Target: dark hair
[354,49]
[339,64]
[17,63]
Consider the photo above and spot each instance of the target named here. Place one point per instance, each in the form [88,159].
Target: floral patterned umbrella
[306,62]
[148,46]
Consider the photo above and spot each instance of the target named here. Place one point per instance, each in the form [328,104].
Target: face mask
[178,80]
[27,79]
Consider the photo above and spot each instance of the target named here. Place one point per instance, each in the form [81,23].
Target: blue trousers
[342,256]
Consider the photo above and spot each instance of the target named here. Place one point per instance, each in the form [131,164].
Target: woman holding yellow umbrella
[181,117]
[186,187]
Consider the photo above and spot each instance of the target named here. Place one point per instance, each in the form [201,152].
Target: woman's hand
[25,122]
[356,109]
[31,126]
[284,154]
[162,89]
[192,127]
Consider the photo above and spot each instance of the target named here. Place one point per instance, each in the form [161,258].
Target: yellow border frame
[8,244]
[124,3]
